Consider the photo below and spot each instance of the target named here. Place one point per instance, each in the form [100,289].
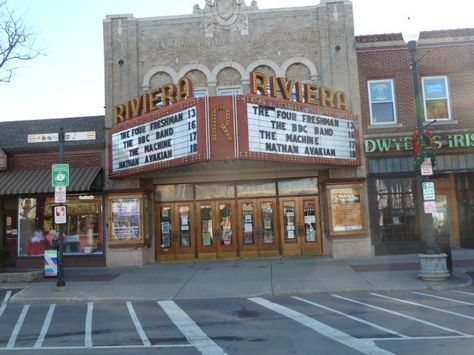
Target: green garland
[425,147]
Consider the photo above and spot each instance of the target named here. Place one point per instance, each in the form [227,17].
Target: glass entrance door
[258,232]
[175,233]
[10,233]
[216,226]
[300,226]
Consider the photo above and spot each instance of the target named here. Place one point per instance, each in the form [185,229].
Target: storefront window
[396,209]
[308,186]
[38,232]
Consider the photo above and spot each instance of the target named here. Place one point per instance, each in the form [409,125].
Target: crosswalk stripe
[352,317]
[45,327]
[5,302]
[88,329]
[464,292]
[444,298]
[19,324]
[424,306]
[190,329]
[362,345]
[138,325]
[401,315]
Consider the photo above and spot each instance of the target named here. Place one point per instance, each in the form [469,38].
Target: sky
[68,81]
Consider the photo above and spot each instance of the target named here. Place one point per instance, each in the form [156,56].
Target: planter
[433,267]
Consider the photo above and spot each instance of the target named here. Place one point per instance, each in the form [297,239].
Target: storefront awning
[39,181]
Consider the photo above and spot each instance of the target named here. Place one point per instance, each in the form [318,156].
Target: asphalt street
[380,322]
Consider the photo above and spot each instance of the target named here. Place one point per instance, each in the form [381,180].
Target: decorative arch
[157,69]
[237,66]
[265,62]
[300,60]
[210,77]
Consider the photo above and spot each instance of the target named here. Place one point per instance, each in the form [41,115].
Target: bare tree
[17,43]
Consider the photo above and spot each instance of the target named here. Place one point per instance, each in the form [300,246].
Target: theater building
[388,119]
[28,149]
[234,132]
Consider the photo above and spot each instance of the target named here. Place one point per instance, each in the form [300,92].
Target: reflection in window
[207,238]
[436,99]
[382,102]
[179,192]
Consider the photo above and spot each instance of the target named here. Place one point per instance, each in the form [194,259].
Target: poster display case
[346,209]
[126,220]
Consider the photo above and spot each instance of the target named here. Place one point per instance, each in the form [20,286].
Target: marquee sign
[274,130]
[146,137]
[162,139]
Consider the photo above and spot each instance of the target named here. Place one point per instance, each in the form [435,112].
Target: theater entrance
[216,237]
[176,239]
[258,231]
[300,226]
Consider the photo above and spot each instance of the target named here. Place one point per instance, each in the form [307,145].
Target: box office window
[436,98]
[38,232]
[382,102]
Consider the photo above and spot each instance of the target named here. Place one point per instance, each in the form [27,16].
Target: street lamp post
[433,262]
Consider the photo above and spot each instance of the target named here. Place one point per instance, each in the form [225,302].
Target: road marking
[45,327]
[402,315]
[163,346]
[138,325]
[88,330]
[464,292]
[190,329]
[352,317]
[16,330]
[444,298]
[362,345]
[424,306]
[5,302]
[426,338]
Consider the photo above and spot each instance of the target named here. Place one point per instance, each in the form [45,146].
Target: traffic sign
[429,191]
[60,175]
[60,194]
[60,216]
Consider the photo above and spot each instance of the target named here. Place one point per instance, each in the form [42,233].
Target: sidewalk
[241,278]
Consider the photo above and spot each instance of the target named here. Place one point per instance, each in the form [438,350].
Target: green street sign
[60,175]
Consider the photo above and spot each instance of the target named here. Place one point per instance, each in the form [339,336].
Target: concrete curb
[20,277]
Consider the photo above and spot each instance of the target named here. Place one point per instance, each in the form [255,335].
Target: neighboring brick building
[231,199]
[29,148]
[446,67]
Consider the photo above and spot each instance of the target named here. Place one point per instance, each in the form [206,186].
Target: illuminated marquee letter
[326,97]
[258,83]
[286,88]
[120,113]
[168,93]
[341,101]
[223,125]
[185,88]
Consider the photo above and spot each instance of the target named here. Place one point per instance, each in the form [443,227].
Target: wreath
[425,147]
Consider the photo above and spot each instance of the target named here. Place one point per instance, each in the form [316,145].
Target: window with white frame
[436,98]
[229,91]
[382,102]
[200,93]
